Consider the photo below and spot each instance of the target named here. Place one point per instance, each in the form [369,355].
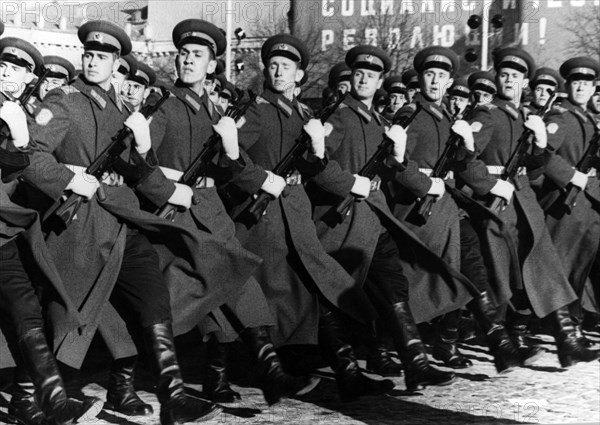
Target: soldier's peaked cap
[339,72]
[144,75]
[104,36]
[59,67]
[197,31]
[128,65]
[287,46]
[20,52]
[514,58]
[547,76]
[394,85]
[436,57]
[483,80]
[368,57]
[460,88]
[410,78]
[582,67]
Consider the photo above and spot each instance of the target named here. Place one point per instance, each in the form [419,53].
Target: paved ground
[544,394]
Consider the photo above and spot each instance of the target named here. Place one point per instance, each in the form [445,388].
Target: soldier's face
[283,74]
[434,83]
[224,103]
[133,92]
[14,78]
[51,83]
[98,67]
[343,87]
[193,62]
[397,101]
[580,91]
[511,83]
[365,82]
[458,103]
[483,96]
[541,94]
[594,103]
[411,94]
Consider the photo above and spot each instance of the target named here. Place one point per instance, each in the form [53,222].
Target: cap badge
[283,46]
[98,36]
[369,58]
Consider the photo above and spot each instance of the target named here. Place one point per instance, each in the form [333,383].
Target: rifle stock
[67,210]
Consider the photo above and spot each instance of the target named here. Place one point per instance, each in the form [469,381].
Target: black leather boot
[506,354]
[445,348]
[215,385]
[50,391]
[517,326]
[417,370]
[121,396]
[273,381]
[379,360]
[570,348]
[351,382]
[23,408]
[176,406]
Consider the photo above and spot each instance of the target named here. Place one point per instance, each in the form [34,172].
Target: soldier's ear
[212,65]
[299,75]
[29,77]
[526,82]
[380,82]
[449,83]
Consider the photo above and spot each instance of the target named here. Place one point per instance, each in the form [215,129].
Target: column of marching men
[142,211]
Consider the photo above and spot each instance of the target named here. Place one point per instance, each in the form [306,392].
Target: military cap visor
[368,57]
[21,53]
[287,46]
[339,72]
[197,31]
[104,36]
[59,67]
[582,67]
[461,91]
[127,65]
[436,57]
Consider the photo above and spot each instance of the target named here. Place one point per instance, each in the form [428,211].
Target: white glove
[141,131]
[226,128]
[112,179]
[182,196]
[361,187]
[438,188]
[537,125]
[463,129]
[273,185]
[14,116]
[504,190]
[82,184]
[580,180]
[315,129]
[398,135]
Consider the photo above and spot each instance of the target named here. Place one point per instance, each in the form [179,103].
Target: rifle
[105,162]
[511,169]
[19,160]
[371,168]
[255,210]
[585,164]
[441,169]
[200,164]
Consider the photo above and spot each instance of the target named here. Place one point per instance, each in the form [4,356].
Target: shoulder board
[261,100]
[489,106]
[69,89]
[305,107]
[559,109]
[342,106]
[411,106]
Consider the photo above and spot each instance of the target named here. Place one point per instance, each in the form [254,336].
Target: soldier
[105,263]
[339,78]
[522,253]
[179,132]
[380,100]
[364,242]
[594,104]
[296,275]
[62,71]
[571,126]
[39,391]
[483,85]
[136,88]
[410,78]
[397,96]
[544,82]
[458,97]
[447,227]
[127,65]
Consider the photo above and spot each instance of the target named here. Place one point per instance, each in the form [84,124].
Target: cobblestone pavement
[544,394]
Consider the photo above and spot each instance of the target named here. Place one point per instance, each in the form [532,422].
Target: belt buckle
[375,185]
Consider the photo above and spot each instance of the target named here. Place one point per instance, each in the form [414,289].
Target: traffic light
[474,22]
[471,55]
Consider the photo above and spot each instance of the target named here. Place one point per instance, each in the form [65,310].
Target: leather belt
[203,182]
[113,179]
[498,170]
[429,171]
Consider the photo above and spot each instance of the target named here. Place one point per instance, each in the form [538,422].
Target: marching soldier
[410,78]
[397,96]
[136,88]
[364,242]
[458,97]
[39,392]
[447,227]
[61,72]
[571,127]
[179,132]
[522,253]
[544,82]
[483,86]
[105,263]
[339,78]
[297,274]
